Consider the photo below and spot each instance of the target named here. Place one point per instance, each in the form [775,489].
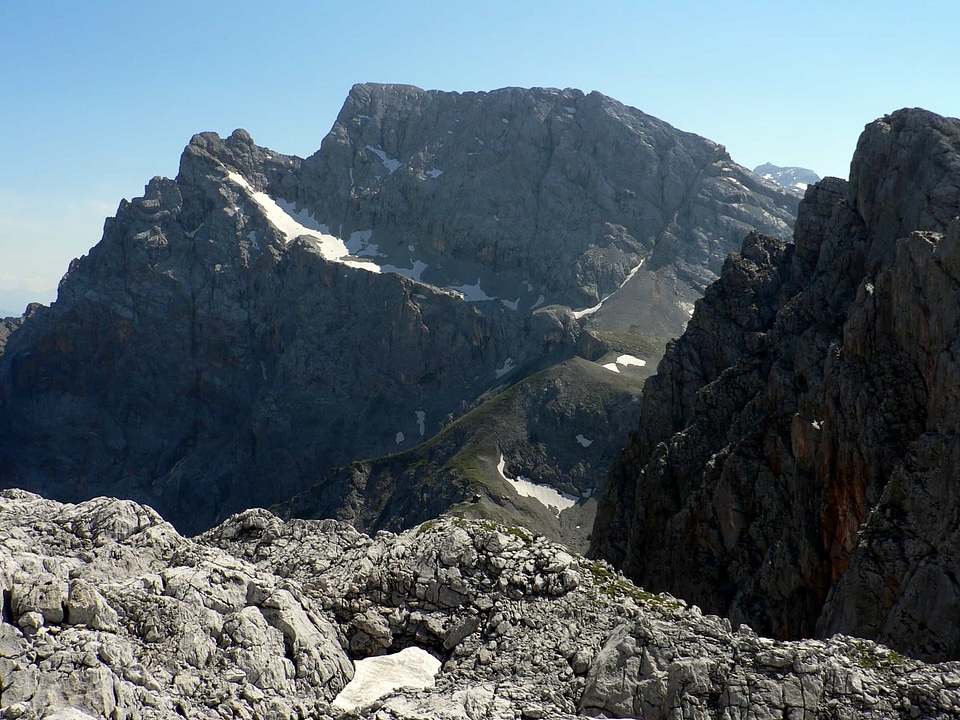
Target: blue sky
[98,97]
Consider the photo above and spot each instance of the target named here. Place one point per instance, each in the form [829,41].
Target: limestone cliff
[795,467]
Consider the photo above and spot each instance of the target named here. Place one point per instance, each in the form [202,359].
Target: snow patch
[434,173]
[504,121]
[400,437]
[507,366]
[591,310]
[471,293]
[538,303]
[627,360]
[687,307]
[570,110]
[624,361]
[583,441]
[359,244]
[293,224]
[512,304]
[391,164]
[413,273]
[544,494]
[411,669]
[421,421]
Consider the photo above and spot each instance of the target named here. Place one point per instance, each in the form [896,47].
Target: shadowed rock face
[203,358]
[795,467]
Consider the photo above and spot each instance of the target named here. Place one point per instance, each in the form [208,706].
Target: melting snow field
[546,495]
[507,366]
[471,293]
[626,361]
[391,164]
[584,442]
[293,225]
[411,669]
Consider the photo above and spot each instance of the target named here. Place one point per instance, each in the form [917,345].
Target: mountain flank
[244,329]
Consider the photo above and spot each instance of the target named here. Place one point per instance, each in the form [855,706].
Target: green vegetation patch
[614,586]
[871,657]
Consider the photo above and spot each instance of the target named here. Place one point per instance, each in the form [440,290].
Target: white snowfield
[357,252]
[471,293]
[625,361]
[544,494]
[292,226]
[374,677]
[507,366]
[391,164]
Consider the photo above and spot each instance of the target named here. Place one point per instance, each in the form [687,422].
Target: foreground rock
[107,612]
[797,458]
[106,609]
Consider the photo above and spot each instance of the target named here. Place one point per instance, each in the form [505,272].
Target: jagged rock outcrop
[795,465]
[107,612]
[261,318]
[555,188]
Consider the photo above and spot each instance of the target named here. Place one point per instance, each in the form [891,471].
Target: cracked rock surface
[108,612]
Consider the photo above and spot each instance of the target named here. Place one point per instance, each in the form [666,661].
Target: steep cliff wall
[796,467]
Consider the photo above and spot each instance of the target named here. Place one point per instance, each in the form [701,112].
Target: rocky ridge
[561,428]
[794,468]
[108,612]
[262,318]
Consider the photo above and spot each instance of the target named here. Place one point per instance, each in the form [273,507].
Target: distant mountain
[796,462]
[261,319]
[789,177]
[14,301]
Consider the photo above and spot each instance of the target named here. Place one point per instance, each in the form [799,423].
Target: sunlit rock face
[796,461]
[105,611]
